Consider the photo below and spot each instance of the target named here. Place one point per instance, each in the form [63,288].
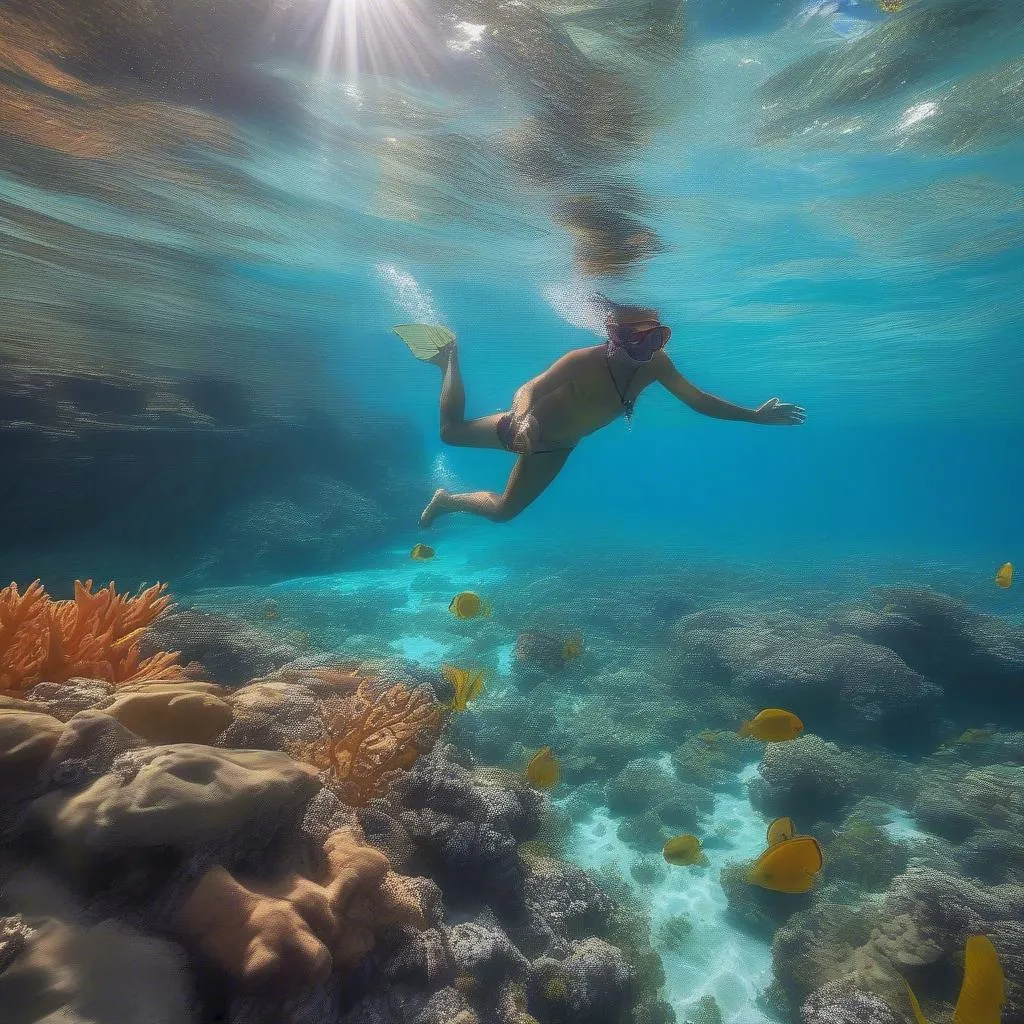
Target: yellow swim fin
[424,341]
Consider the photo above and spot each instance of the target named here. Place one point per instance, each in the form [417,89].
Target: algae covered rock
[482,951]
[181,796]
[713,759]
[65,700]
[759,911]
[861,853]
[564,904]
[27,739]
[231,650]
[599,984]
[955,804]
[87,748]
[840,1002]
[806,778]
[976,658]
[172,712]
[65,968]
[841,684]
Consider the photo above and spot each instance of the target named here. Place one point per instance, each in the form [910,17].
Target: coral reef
[865,691]
[95,635]
[808,773]
[307,831]
[839,1002]
[183,795]
[713,759]
[378,735]
[228,648]
[68,967]
[862,855]
[287,935]
[174,713]
[975,658]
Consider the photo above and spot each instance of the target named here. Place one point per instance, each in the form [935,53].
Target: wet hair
[616,313]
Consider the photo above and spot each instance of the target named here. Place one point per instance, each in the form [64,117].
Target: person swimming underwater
[584,390]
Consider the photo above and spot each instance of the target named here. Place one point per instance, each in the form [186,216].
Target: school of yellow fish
[790,863]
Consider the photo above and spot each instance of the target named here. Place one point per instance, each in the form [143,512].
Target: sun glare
[361,36]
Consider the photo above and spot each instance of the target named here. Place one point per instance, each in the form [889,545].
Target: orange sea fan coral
[94,635]
[378,735]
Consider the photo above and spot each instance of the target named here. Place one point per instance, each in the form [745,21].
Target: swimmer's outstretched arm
[560,372]
[772,413]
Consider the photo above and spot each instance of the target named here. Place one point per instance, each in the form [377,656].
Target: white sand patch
[902,827]
[506,656]
[716,958]
[422,649]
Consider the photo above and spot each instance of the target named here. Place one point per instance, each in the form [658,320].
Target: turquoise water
[225,208]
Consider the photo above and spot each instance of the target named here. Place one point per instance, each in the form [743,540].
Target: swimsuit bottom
[506,435]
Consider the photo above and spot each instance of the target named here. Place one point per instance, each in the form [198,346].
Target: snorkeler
[583,391]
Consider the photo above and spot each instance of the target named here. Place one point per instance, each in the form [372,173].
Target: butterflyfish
[773,725]
[543,771]
[780,830]
[572,648]
[983,990]
[422,553]
[467,686]
[1004,577]
[468,605]
[684,851]
[791,865]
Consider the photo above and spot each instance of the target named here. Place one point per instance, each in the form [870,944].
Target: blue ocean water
[225,212]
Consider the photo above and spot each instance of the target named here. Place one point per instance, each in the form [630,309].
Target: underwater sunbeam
[361,36]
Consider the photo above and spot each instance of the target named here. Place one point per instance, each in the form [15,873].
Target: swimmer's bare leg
[455,428]
[529,478]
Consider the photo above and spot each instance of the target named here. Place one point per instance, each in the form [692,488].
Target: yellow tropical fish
[780,830]
[772,725]
[543,771]
[983,990]
[789,866]
[969,736]
[915,1006]
[890,6]
[684,851]
[468,605]
[1004,577]
[572,648]
[468,685]
[422,553]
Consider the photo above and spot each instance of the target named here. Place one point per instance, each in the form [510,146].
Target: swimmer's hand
[779,414]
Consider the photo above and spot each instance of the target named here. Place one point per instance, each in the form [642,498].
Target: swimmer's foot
[443,356]
[439,503]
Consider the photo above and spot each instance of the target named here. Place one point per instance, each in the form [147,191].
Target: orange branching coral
[375,738]
[94,635]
